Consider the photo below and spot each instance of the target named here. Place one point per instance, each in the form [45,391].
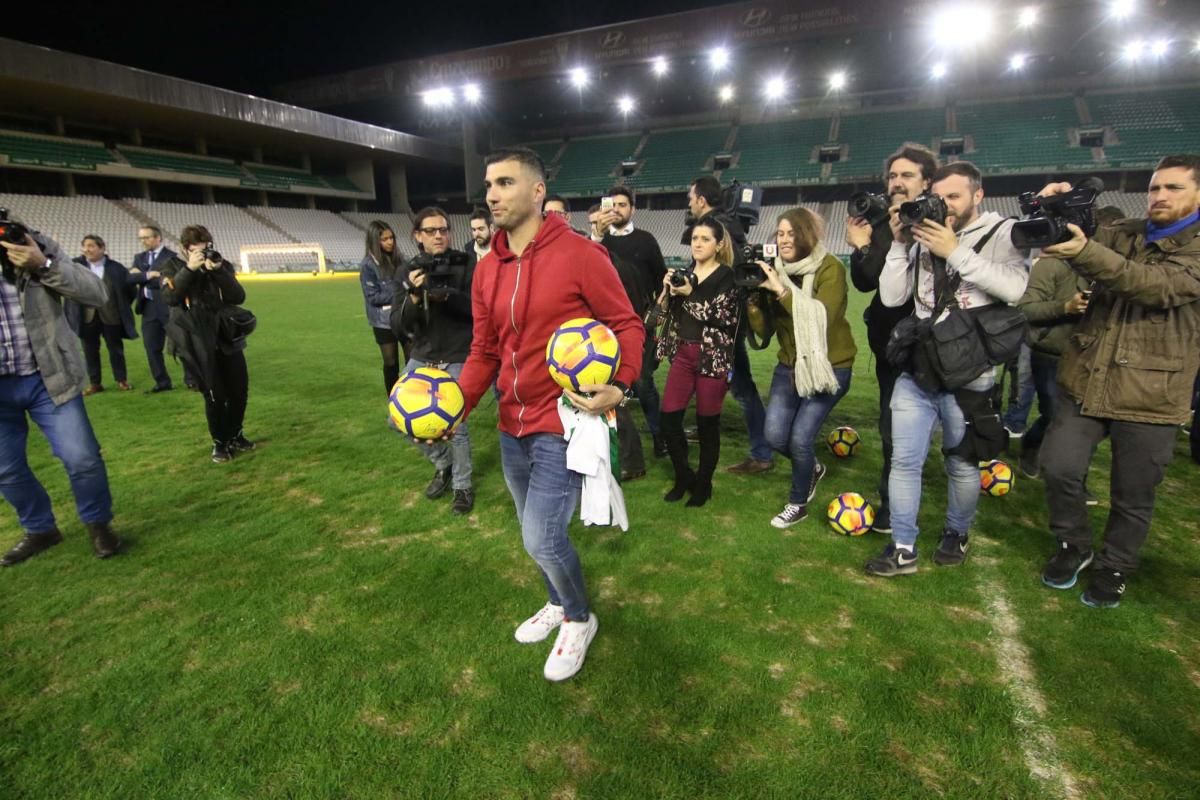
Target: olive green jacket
[1135,353]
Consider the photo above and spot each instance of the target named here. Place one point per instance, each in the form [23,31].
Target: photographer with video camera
[433,306]
[702,308]
[961,269]
[805,287]
[207,331]
[908,172]
[706,200]
[1126,371]
[42,376]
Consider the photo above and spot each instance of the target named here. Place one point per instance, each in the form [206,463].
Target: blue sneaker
[1063,568]
[1104,589]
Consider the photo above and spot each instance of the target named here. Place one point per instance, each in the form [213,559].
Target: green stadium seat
[262,177]
[871,137]
[186,164]
[587,165]
[672,159]
[778,152]
[1148,125]
[1023,135]
[58,153]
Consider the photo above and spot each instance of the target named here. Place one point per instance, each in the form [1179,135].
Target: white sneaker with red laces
[570,648]
[538,627]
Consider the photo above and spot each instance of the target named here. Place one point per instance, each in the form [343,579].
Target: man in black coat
[149,304]
[113,321]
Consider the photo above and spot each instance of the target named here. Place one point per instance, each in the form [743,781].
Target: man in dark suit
[154,312]
[112,321]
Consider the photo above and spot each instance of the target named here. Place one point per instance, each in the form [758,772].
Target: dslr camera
[213,255]
[444,272]
[682,276]
[1046,218]
[869,207]
[926,207]
[747,274]
[13,233]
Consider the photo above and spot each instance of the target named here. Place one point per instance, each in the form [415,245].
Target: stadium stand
[68,219]
[547,150]
[672,159]
[231,226]
[264,177]
[342,241]
[589,166]
[1147,124]
[777,153]
[1023,135]
[186,164]
[871,137]
[27,149]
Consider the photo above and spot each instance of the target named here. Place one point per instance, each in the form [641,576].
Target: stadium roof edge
[25,68]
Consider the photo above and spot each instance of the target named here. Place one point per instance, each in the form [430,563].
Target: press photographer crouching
[961,268]
[42,376]
[207,332]
[433,306]
[1126,373]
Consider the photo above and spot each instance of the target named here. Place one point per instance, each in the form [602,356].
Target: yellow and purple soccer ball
[850,514]
[996,478]
[583,352]
[426,403]
[843,442]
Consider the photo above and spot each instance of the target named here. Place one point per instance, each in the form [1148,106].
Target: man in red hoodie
[538,275]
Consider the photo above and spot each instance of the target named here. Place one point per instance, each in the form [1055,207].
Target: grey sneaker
[953,549]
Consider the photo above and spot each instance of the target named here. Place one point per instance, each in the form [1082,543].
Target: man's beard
[962,220]
[483,243]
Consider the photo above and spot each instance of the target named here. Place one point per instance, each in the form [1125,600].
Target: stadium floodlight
[963,27]
[625,104]
[725,93]
[837,81]
[579,77]
[439,98]
[718,58]
[1160,47]
[938,71]
[660,66]
[1027,17]
[1133,50]
[1121,9]
[472,93]
[1017,62]
[774,88]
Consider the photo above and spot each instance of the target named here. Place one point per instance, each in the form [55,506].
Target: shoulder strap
[987,237]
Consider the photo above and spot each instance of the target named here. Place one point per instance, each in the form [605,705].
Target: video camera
[743,203]
[444,272]
[869,207]
[926,207]
[1046,218]
[747,274]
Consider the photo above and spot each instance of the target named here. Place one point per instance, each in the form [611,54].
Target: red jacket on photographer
[519,301]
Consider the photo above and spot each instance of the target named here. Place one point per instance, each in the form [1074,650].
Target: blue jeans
[794,422]
[1045,381]
[915,412]
[644,387]
[545,493]
[456,454]
[741,384]
[1016,416]
[71,440]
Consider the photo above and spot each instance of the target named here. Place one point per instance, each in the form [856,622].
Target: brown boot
[30,545]
[104,542]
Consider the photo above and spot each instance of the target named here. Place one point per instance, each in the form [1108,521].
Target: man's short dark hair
[919,154]
[593,209]
[521,154]
[195,234]
[1181,161]
[99,242]
[557,198]
[427,212]
[153,228]
[964,168]
[709,188]
[624,191]
[481,213]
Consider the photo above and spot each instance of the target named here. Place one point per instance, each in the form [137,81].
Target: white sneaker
[538,627]
[570,648]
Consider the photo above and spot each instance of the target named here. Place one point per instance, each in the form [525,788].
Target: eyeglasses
[434,231]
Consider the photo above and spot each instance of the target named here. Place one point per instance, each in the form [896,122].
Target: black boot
[671,429]
[710,451]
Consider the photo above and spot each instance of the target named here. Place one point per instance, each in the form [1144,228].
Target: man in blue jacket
[149,304]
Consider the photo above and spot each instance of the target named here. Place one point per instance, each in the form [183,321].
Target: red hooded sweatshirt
[519,301]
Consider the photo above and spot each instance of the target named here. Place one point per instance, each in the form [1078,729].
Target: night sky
[253,46]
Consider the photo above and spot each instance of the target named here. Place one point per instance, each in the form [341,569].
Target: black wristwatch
[625,390]
[864,250]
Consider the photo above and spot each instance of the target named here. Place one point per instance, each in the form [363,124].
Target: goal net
[267,258]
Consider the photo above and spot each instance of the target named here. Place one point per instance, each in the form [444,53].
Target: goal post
[253,254]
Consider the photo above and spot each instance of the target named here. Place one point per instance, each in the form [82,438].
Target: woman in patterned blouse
[701,317]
